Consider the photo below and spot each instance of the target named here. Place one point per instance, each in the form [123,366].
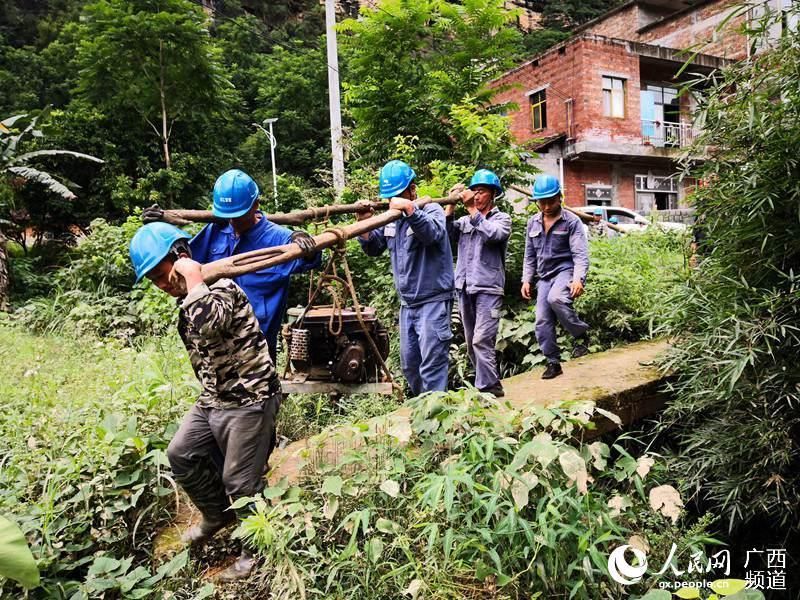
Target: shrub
[82,434]
[735,414]
[483,502]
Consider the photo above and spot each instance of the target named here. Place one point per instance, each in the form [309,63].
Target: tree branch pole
[181,217]
[256,260]
[585,217]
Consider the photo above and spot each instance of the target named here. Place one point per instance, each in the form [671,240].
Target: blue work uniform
[480,283]
[422,265]
[553,260]
[267,289]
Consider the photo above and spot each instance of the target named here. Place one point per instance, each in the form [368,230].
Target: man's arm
[580,252]
[429,224]
[208,310]
[375,242]
[529,259]
[496,230]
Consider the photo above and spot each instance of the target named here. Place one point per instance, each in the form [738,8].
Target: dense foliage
[474,500]
[737,320]
[82,440]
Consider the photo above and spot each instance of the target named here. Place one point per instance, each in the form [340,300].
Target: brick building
[603,108]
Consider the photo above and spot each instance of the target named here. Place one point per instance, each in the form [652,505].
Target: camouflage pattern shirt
[227,350]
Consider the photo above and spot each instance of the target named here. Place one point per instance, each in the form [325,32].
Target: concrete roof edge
[641,48]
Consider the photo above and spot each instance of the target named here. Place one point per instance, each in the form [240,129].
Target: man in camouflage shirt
[220,451]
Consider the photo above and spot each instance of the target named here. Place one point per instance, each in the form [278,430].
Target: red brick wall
[576,72]
[685,30]
[554,68]
[621,24]
[621,176]
[700,27]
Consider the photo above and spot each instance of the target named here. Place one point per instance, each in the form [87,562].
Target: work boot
[553,370]
[240,569]
[496,391]
[580,348]
[205,530]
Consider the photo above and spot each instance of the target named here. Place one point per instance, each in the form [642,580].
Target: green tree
[155,58]
[410,61]
[18,170]
[293,87]
[735,414]
[568,14]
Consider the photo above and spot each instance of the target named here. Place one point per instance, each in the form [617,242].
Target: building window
[599,195]
[614,97]
[656,192]
[538,110]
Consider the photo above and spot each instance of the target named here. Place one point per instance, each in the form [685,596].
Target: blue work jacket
[482,242]
[422,261]
[266,289]
[563,247]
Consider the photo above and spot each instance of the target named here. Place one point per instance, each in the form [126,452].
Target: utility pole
[333,98]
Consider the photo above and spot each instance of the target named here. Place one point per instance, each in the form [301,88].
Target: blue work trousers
[425,345]
[480,314]
[553,303]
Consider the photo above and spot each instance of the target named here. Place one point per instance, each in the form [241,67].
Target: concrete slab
[623,380]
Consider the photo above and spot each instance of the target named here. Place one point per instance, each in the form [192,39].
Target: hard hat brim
[233,214]
[548,197]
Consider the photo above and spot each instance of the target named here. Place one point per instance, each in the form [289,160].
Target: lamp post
[272,144]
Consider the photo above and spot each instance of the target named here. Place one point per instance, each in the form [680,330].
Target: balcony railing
[667,135]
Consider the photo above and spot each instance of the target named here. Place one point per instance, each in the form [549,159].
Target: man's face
[159,275]
[551,206]
[484,197]
[246,221]
[596,218]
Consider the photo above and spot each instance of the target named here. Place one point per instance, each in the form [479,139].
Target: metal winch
[331,345]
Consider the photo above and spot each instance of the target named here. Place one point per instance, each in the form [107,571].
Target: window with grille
[614,97]
[538,110]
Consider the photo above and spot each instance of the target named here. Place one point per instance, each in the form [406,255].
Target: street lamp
[272,144]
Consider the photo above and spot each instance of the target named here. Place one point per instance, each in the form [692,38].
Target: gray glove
[152,214]
[306,243]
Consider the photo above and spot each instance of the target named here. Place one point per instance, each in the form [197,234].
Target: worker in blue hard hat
[597,228]
[481,237]
[243,227]
[220,450]
[612,233]
[556,262]
[422,265]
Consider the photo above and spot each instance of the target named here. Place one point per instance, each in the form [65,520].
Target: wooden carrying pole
[585,217]
[256,260]
[296,217]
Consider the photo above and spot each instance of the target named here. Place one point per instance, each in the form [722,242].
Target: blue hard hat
[234,194]
[614,220]
[598,212]
[545,186]
[487,178]
[151,244]
[395,177]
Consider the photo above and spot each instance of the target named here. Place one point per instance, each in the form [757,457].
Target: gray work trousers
[480,314]
[221,454]
[553,303]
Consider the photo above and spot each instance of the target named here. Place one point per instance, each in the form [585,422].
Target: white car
[629,220]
